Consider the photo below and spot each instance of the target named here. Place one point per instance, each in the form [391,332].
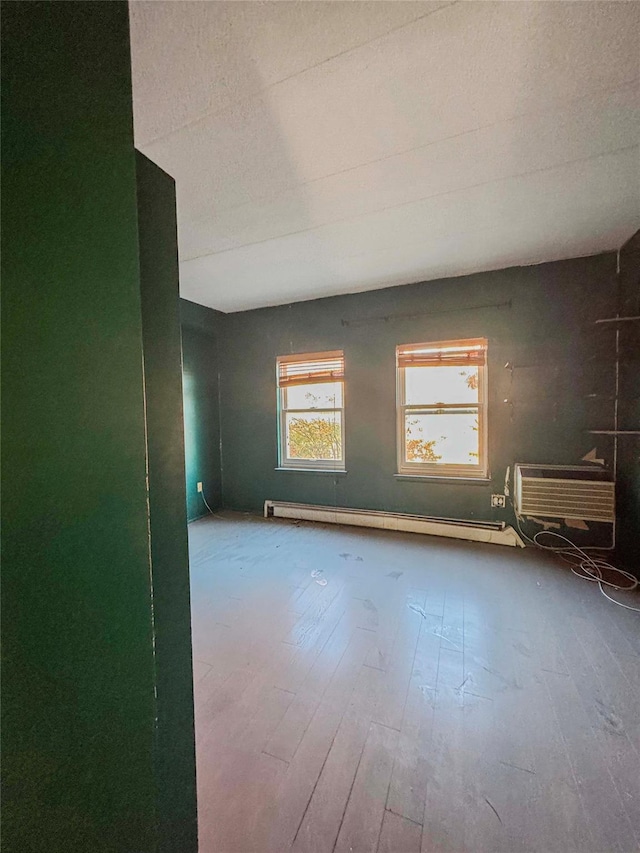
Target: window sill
[329,471]
[431,478]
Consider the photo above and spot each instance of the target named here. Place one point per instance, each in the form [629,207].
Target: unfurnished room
[321,426]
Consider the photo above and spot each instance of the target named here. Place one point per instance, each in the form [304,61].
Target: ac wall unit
[569,493]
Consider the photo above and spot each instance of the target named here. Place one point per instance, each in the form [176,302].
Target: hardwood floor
[370,691]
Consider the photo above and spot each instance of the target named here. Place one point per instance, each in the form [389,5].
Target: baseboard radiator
[496,533]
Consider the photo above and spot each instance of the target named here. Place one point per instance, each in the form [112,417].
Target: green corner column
[175,748]
[200,331]
[628,473]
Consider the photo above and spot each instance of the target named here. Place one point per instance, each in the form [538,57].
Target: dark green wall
[200,333]
[175,739]
[629,407]
[78,673]
[539,319]
[91,760]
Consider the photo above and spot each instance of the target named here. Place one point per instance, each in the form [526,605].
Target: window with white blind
[311,411]
[442,408]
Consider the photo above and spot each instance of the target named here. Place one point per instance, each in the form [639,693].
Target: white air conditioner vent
[553,491]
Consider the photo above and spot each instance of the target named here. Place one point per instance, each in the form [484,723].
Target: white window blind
[459,354]
[313,369]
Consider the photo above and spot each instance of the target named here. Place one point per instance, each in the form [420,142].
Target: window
[311,410]
[442,411]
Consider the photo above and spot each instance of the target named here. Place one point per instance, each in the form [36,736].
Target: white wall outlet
[199,487]
[498,500]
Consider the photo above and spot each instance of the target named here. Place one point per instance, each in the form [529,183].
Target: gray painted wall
[540,319]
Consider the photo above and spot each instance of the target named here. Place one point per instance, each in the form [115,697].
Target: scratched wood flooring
[371,691]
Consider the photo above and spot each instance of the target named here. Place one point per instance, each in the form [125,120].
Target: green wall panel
[200,333]
[175,746]
[78,673]
[628,493]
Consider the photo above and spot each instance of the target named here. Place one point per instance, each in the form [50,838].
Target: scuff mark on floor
[612,721]
[516,767]
[493,809]
[507,682]
[468,678]
[524,650]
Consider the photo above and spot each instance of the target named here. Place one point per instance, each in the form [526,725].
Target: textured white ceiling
[331,147]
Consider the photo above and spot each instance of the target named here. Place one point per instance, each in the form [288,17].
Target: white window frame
[438,469]
[285,462]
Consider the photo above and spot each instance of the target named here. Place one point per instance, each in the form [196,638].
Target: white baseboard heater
[497,533]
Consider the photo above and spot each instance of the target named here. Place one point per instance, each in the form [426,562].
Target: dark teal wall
[78,673]
[629,407]
[539,319]
[200,333]
[175,767]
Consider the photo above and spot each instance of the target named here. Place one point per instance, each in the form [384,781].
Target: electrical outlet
[199,487]
[498,501]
